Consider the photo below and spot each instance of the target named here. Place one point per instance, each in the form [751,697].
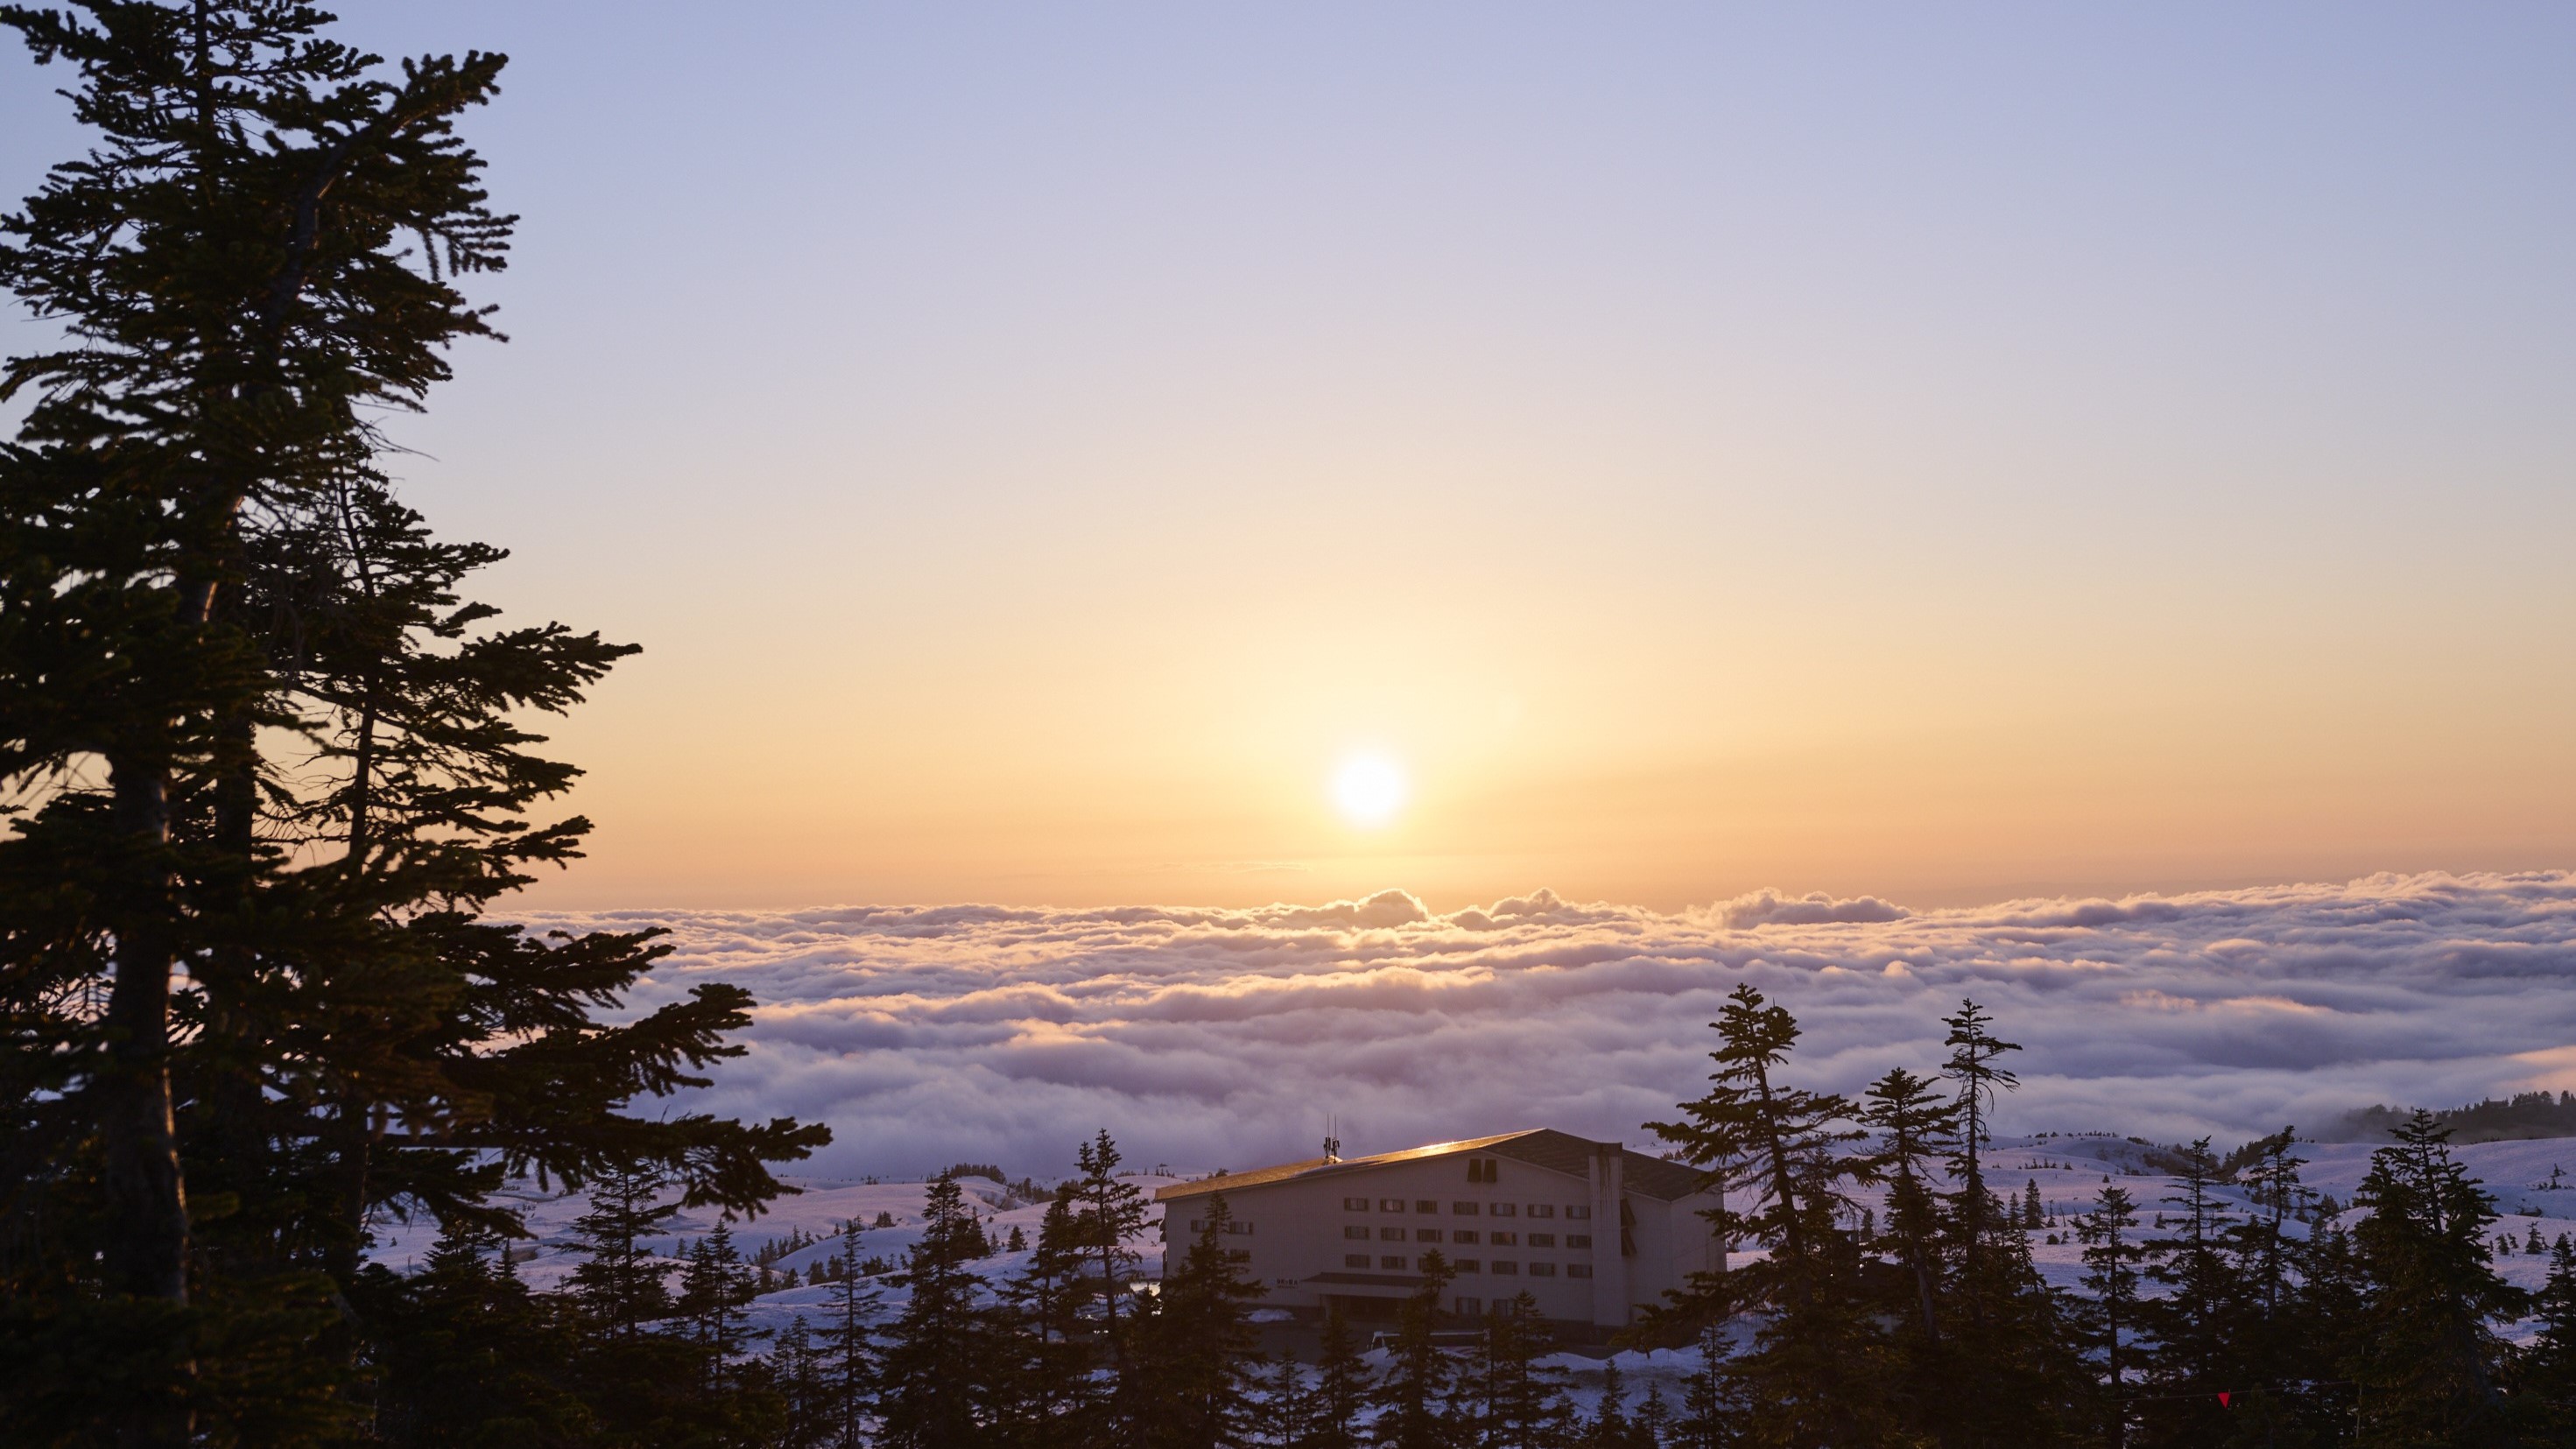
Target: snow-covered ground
[817,1210]
[2070,1170]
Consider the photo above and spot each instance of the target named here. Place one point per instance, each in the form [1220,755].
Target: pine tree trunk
[147,1249]
[147,1232]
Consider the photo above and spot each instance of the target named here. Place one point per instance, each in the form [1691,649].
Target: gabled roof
[1539,1147]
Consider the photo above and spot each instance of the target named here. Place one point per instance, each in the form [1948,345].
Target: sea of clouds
[1203,1038]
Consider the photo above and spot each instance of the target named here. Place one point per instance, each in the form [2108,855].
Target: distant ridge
[2497,1119]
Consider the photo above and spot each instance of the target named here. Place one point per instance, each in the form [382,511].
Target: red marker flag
[2223,1398]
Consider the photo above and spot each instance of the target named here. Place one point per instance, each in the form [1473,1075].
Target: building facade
[1589,1229]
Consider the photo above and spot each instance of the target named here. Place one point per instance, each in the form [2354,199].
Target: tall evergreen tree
[471,1358]
[1198,1360]
[315,776]
[1054,1400]
[845,1349]
[2429,1357]
[933,1385]
[224,263]
[2112,1257]
[621,1283]
[1516,1401]
[2194,1321]
[1413,1399]
[1112,1213]
[1610,1427]
[1716,1413]
[1343,1388]
[804,1391]
[715,1294]
[1974,1050]
[1912,1123]
[2545,1381]
[1819,1366]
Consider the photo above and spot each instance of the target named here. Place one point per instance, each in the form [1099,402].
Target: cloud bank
[1201,1038]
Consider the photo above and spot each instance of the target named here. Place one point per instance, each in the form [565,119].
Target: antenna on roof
[1332,1141]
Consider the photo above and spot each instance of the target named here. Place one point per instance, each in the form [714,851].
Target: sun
[1370,789]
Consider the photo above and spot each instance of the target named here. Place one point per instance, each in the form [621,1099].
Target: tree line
[1077,1346]
[2252,1315]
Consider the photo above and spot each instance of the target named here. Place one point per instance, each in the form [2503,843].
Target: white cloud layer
[926,1036]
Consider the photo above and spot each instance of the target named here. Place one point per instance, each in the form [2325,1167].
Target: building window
[1501,1209]
[1542,1240]
[1463,1209]
[1542,1209]
[1577,1210]
[1426,1235]
[1390,1261]
[1355,1260]
[1506,1266]
[1426,1206]
[1471,1307]
[1504,1240]
[1542,1270]
[1390,1204]
[1468,1265]
[1390,1235]
[1578,1270]
[1484,1169]
[1356,1230]
[1355,1204]
[1238,1255]
[1463,1235]
[1578,1240]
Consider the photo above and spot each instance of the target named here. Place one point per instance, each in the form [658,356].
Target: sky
[1941,454]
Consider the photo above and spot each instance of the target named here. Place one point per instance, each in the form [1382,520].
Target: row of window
[1501,1267]
[1499,1238]
[1237,1225]
[1463,1209]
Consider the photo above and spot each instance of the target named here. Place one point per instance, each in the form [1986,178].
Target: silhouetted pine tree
[1913,1124]
[1052,1398]
[224,263]
[845,1351]
[1611,1427]
[1974,1049]
[1329,1417]
[715,1291]
[1514,1402]
[2545,1380]
[934,1385]
[1198,1351]
[1654,1425]
[2429,1357]
[1413,1399]
[2277,1346]
[1716,1412]
[471,1358]
[1819,1367]
[317,775]
[622,1285]
[1111,1212]
[2112,1255]
[2195,1321]
[804,1393]
[2009,1366]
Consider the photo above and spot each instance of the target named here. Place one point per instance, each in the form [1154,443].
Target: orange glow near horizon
[1923,452]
